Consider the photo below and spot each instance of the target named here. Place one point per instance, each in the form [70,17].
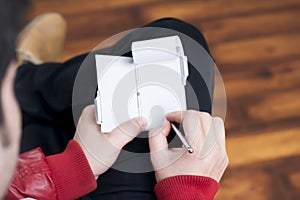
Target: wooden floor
[256,45]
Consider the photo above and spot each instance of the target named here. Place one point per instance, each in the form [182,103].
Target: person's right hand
[102,150]
[205,134]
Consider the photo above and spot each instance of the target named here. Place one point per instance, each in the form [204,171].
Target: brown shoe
[42,40]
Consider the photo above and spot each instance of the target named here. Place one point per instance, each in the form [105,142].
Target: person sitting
[67,164]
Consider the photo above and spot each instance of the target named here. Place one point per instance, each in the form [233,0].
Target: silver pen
[182,138]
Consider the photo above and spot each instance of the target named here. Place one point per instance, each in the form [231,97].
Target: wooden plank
[255,50]
[249,149]
[272,179]
[237,184]
[261,97]
[239,28]
[276,106]
[262,79]
[69,7]
[288,173]
[271,107]
[86,31]
[94,25]
[270,112]
[295,180]
[211,10]
[246,125]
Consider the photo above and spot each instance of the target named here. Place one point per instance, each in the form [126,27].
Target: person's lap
[45,95]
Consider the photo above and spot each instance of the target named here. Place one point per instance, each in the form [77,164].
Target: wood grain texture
[274,179]
[256,47]
[250,26]
[244,150]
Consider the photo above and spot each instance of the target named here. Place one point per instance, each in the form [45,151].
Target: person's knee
[182,27]
[173,21]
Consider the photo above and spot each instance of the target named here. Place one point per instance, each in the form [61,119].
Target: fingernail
[142,122]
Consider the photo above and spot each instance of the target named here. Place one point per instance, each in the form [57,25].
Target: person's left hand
[102,150]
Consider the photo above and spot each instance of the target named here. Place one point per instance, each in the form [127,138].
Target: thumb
[126,132]
[158,138]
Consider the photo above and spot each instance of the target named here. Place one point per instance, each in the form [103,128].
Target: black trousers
[45,96]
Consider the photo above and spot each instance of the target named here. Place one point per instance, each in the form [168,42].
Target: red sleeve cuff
[71,172]
[186,188]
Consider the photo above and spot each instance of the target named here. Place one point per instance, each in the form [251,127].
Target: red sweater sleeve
[71,173]
[62,176]
[186,188]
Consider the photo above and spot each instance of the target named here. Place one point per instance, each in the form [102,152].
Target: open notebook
[150,84]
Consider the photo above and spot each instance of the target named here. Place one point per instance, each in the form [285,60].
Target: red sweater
[68,176]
